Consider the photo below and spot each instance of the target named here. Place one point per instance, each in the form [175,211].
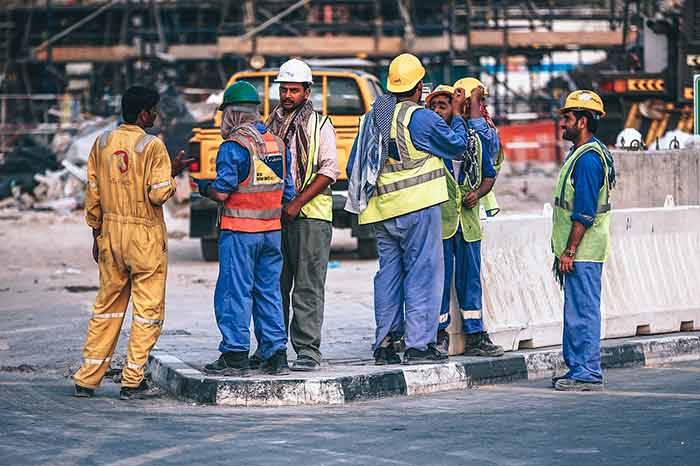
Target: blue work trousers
[463,261]
[408,284]
[250,265]
[581,342]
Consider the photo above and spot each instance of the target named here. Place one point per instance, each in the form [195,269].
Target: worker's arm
[229,161]
[488,177]
[93,208]
[488,135]
[325,176]
[587,177]
[430,133]
[160,183]
[289,189]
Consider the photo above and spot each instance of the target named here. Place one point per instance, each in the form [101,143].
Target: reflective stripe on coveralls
[256,205]
[414,182]
[595,245]
[321,206]
[132,248]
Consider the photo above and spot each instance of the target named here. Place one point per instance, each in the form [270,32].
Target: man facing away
[467,183]
[306,230]
[405,211]
[252,181]
[129,179]
[581,239]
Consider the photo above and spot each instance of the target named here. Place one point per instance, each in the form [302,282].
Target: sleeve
[430,133]
[93,208]
[328,152]
[588,179]
[227,167]
[289,189]
[161,185]
[489,136]
[487,170]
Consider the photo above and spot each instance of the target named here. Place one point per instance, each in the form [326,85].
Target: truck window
[344,97]
[316,94]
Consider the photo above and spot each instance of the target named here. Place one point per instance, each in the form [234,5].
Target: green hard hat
[240,92]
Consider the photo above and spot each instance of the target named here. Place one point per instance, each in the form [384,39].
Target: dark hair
[591,120]
[306,85]
[401,95]
[135,100]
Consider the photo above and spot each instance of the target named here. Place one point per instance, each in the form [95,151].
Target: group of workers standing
[417,173]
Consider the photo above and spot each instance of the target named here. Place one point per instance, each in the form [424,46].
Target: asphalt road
[647,416]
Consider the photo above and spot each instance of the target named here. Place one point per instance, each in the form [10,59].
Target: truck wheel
[210,249]
[367,248]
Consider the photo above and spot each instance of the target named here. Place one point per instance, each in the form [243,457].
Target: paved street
[648,416]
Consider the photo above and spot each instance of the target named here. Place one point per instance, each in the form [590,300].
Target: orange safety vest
[256,205]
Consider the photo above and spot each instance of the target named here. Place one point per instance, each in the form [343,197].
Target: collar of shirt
[131,127]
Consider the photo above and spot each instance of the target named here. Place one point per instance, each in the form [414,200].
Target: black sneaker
[430,355]
[83,392]
[386,355]
[234,363]
[276,364]
[573,385]
[556,378]
[443,342]
[255,361]
[305,364]
[479,344]
[142,392]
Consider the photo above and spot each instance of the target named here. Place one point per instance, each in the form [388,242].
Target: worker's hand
[458,101]
[476,100]
[566,263]
[95,251]
[471,199]
[290,211]
[180,163]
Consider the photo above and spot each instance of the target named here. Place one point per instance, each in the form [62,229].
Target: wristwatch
[569,253]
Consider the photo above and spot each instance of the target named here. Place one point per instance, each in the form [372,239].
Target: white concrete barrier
[650,282]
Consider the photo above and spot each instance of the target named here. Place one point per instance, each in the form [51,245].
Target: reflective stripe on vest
[414,182]
[256,206]
[595,245]
[454,212]
[321,206]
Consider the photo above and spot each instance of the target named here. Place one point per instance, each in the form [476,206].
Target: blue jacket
[587,177]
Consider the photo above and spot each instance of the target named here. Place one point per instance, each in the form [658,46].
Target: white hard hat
[294,71]
[628,137]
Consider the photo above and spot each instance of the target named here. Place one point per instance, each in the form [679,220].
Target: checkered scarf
[294,125]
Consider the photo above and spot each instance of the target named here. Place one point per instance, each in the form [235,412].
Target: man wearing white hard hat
[306,231]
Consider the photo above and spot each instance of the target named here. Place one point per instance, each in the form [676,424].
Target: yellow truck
[342,94]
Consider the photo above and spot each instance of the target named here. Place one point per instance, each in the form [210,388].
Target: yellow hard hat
[405,71]
[584,100]
[468,84]
[441,89]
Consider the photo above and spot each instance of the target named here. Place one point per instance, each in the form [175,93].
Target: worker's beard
[571,134]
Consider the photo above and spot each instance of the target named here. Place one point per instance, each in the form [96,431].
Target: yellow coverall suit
[129,179]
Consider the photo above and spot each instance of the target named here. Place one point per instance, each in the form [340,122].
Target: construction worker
[252,181]
[129,179]
[486,129]
[405,210]
[581,238]
[306,230]
[467,183]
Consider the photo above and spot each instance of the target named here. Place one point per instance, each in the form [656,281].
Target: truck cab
[343,95]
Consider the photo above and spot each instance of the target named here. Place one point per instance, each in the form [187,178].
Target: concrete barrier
[644,179]
[650,282]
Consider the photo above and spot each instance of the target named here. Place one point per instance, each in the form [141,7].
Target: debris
[25,368]
[80,288]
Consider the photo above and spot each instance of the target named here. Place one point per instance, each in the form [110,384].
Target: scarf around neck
[293,126]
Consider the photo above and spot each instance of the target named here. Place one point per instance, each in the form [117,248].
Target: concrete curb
[370,382]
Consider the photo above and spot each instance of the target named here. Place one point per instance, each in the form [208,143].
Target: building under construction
[528,52]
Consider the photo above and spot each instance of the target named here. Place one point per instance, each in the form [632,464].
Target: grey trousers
[306,247]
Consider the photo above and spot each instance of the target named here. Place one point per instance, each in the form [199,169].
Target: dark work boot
[83,392]
[479,344]
[142,392]
[276,364]
[443,342]
[255,361]
[386,355]
[431,355]
[234,363]
[305,364]
[573,385]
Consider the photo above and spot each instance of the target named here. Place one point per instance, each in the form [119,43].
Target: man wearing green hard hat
[252,181]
